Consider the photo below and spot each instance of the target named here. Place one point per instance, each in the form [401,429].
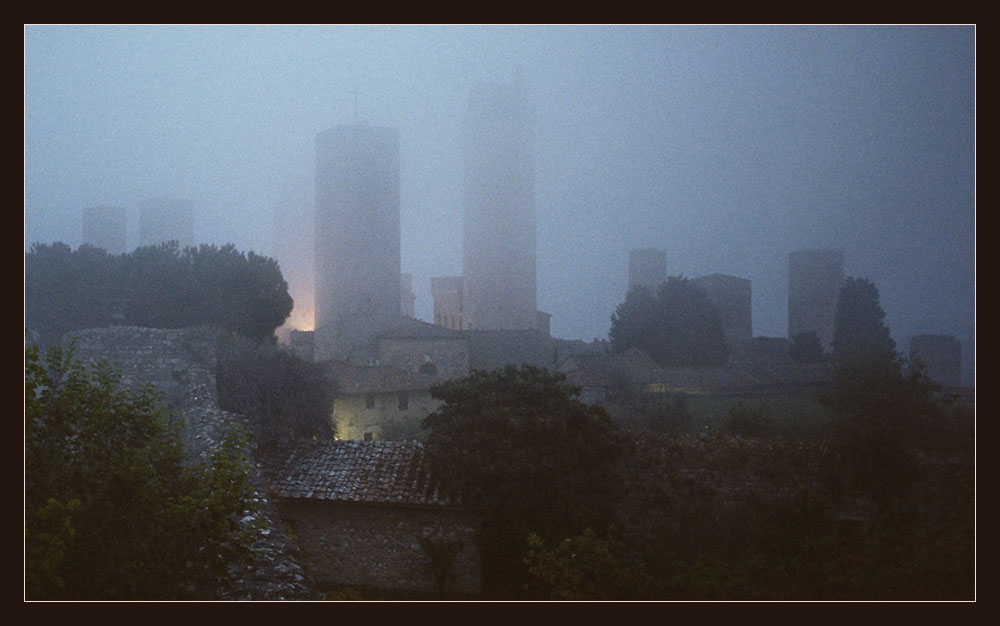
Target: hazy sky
[728,147]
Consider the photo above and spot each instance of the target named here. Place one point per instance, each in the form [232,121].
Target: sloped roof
[412,328]
[600,369]
[359,379]
[387,472]
[734,378]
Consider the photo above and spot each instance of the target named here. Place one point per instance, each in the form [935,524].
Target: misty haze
[748,250]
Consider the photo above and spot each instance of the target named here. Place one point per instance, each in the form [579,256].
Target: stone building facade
[447,294]
[421,348]
[369,515]
[181,365]
[370,400]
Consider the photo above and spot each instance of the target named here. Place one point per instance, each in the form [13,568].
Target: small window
[369,436]
[370,401]
[404,401]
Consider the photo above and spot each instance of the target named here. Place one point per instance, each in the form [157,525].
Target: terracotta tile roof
[600,369]
[386,472]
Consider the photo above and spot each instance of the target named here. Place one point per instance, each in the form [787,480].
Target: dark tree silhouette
[156,286]
[859,332]
[112,509]
[678,325]
[807,348]
[281,394]
[518,443]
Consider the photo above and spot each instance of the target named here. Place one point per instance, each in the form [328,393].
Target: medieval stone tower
[105,227]
[647,267]
[814,281]
[166,219]
[357,239]
[499,254]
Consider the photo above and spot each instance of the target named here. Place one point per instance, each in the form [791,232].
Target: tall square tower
[166,219]
[731,296]
[815,278]
[647,267]
[105,227]
[357,240]
[499,249]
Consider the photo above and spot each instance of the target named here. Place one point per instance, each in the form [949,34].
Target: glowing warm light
[302,318]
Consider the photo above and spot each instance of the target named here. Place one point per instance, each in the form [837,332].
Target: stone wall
[181,365]
[353,418]
[378,546]
[450,356]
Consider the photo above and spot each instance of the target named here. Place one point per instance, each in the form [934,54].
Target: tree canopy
[113,510]
[678,325]
[807,348]
[280,393]
[516,442]
[859,330]
[158,286]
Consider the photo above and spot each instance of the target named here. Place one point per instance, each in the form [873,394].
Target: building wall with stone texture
[181,364]
[379,546]
[355,415]
[449,356]
[447,294]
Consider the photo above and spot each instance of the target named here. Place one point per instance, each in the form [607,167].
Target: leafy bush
[282,395]
[113,510]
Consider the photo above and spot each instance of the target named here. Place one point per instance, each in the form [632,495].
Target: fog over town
[728,147]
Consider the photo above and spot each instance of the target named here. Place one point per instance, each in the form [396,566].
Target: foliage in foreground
[280,393]
[516,442]
[112,509]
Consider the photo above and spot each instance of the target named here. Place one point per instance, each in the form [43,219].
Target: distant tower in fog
[499,254]
[647,267]
[357,239]
[815,278]
[447,294]
[408,300]
[732,299]
[166,219]
[105,227]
